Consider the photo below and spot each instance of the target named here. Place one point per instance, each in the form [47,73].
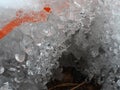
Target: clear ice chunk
[2,69]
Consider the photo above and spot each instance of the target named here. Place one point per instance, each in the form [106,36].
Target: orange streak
[30,17]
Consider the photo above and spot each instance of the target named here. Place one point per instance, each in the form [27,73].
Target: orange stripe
[31,17]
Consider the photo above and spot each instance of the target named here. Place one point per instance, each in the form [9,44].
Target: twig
[64,85]
[79,85]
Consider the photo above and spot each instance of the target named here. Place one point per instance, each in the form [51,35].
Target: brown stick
[64,85]
[79,85]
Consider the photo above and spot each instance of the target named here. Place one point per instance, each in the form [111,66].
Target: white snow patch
[20,4]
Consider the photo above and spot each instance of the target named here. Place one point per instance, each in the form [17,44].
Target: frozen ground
[87,28]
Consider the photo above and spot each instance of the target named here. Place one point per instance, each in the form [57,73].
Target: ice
[118,82]
[21,4]
[101,44]
[39,41]
[20,58]
[30,52]
[86,28]
[6,87]
[2,70]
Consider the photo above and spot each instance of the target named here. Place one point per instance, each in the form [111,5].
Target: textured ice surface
[87,28]
[99,47]
[15,4]
[28,55]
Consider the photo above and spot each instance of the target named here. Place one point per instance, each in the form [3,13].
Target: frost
[87,28]
[6,87]
[32,49]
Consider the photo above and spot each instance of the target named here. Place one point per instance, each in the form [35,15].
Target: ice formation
[30,49]
[99,47]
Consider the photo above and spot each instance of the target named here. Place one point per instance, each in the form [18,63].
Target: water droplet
[2,69]
[115,51]
[12,69]
[39,44]
[118,82]
[94,53]
[20,57]
[16,80]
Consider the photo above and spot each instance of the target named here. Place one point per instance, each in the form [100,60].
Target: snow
[90,28]
[19,4]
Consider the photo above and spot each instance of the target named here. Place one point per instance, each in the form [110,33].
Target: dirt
[73,80]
